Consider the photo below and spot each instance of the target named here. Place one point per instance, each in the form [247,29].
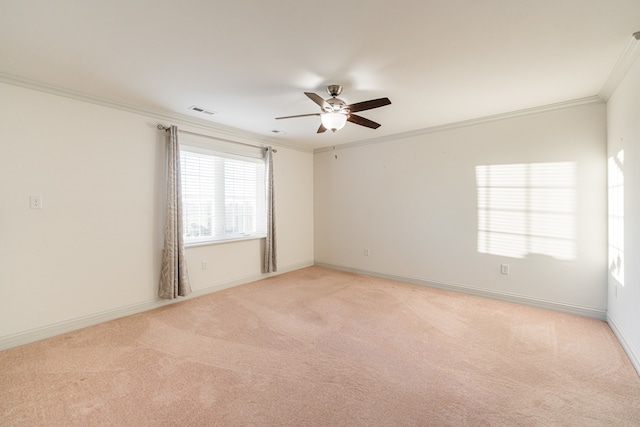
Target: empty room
[320,214]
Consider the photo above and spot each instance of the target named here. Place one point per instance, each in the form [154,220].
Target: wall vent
[201,110]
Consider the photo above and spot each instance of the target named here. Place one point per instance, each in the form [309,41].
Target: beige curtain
[174,278]
[270,259]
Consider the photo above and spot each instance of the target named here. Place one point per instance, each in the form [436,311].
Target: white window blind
[223,193]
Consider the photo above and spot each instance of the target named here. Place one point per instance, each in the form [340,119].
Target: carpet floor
[318,347]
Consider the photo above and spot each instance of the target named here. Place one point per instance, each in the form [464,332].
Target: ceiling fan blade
[321,128]
[299,115]
[317,99]
[362,121]
[368,105]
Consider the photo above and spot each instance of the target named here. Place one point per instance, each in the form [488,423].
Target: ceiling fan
[336,113]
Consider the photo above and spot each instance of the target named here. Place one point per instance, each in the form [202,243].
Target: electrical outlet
[504,269]
[35,202]
[367,252]
[204,264]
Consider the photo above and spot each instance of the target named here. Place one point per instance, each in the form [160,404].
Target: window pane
[223,197]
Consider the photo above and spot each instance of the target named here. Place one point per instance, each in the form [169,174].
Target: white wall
[623,133]
[93,252]
[413,203]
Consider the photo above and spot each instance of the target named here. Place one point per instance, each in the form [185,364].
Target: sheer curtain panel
[270,259]
[174,278]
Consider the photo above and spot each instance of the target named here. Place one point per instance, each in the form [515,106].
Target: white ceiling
[439,61]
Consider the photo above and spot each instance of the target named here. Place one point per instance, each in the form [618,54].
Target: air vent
[201,110]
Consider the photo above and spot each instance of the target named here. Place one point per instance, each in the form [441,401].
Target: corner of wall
[625,342]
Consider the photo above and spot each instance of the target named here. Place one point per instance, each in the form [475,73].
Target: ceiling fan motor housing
[336,105]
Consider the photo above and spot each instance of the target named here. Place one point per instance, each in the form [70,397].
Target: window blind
[223,193]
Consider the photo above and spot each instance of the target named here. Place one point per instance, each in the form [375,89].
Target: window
[223,191]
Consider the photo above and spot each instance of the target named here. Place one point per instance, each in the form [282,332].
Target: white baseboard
[518,299]
[54,329]
[626,344]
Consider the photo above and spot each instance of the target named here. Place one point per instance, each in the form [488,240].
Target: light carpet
[318,347]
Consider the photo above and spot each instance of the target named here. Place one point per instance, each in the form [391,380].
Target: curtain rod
[166,128]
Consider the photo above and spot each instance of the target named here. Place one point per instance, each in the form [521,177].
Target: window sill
[220,242]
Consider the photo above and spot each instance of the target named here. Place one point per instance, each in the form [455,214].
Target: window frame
[224,151]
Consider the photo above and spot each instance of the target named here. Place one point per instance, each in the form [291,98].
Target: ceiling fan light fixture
[333,121]
[335,113]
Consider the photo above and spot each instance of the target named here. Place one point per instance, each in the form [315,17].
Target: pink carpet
[318,347]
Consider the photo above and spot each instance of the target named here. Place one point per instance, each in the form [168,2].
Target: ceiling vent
[201,110]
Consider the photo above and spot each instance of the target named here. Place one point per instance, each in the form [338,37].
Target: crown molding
[221,131]
[496,117]
[626,60]
[238,135]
